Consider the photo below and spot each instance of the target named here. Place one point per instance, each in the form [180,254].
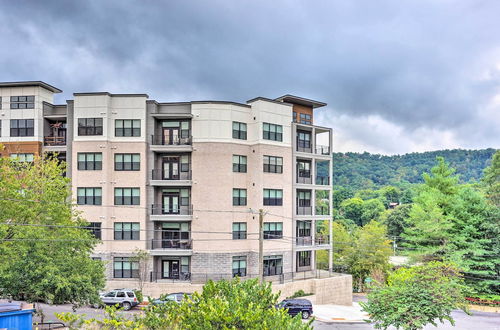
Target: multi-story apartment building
[185,180]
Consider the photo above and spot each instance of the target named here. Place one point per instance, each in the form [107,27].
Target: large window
[273,164]
[273,230]
[303,140]
[89,126]
[304,258]
[127,162]
[127,127]
[273,132]
[127,196]
[240,266]
[239,130]
[304,197]
[273,265]
[305,119]
[89,161]
[89,196]
[239,163]
[22,102]
[273,197]
[304,169]
[239,230]
[127,231]
[125,268]
[22,127]
[22,157]
[239,197]
[95,229]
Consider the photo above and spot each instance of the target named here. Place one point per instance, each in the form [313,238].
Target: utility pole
[261,245]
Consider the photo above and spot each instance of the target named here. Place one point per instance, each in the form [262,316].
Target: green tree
[396,219]
[491,179]
[44,248]
[415,297]
[352,208]
[372,209]
[340,194]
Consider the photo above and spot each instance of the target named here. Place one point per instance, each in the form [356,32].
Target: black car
[297,306]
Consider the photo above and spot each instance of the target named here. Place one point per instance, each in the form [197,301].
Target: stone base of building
[336,289]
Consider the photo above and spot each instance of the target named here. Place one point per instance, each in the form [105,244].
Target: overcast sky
[398,76]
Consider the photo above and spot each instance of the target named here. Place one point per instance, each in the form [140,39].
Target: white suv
[123,297]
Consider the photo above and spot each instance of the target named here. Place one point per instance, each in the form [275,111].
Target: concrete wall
[336,290]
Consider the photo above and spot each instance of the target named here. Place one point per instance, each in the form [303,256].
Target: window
[89,126]
[273,230]
[127,231]
[239,230]
[89,196]
[273,265]
[127,127]
[22,157]
[127,196]
[239,163]
[240,266]
[305,119]
[0,108]
[22,127]
[95,229]
[304,258]
[22,102]
[184,163]
[273,197]
[273,132]
[303,228]
[89,161]
[273,164]
[304,169]
[239,130]
[239,197]
[294,117]
[125,268]
[127,162]
[304,198]
[303,139]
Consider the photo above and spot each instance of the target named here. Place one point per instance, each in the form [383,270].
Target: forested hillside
[371,171]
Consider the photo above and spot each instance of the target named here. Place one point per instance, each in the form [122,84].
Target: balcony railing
[323,180]
[54,141]
[303,241]
[170,140]
[304,146]
[304,177]
[173,276]
[164,210]
[177,244]
[322,150]
[159,174]
[322,210]
[304,210]
[321,240]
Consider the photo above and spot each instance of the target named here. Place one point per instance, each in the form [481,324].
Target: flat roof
[31,84]
[300,100]
[110,94]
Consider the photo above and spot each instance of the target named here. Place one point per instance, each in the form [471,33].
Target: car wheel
[126,306]
[305,315]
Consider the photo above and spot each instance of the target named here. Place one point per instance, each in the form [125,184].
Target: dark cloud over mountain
[398,76]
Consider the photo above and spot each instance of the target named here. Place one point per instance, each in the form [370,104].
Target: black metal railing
[323,180]
[159,174]
[173,276]
[304,210]
[322,210]
[322,150]
[54,141]
[178,244]
[322,240]
[304,146]
[304,179]
[173,140]
[164,210]
[304,241]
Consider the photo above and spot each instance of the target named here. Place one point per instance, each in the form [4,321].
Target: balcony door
[170,135]
[171,168]
[170,269]
[170,203]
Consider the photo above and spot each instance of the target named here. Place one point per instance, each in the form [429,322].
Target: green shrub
[299,293]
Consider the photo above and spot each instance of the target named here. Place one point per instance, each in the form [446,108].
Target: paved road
[478,321]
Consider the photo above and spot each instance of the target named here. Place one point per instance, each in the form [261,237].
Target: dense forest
[373,171]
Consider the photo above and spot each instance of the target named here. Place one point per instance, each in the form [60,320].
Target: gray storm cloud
[397,76]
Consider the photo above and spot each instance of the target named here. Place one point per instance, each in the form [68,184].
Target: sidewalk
[338,313]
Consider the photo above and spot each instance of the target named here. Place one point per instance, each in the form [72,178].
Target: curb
[342,321]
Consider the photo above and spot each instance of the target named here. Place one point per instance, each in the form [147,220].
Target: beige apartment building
[185,180]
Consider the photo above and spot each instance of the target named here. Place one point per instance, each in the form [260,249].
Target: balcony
[54,141]
[175,244]
[322,210]
[158,209]
[161,177]
[322,150]
[304,177]
[303,241]
[322,240]
[304,210]
[172,143]
[323,180]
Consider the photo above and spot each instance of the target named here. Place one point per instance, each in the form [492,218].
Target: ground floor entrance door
[170,269]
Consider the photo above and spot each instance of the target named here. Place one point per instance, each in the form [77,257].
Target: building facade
[185,181]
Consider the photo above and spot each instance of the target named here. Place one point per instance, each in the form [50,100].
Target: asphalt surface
[478,321]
